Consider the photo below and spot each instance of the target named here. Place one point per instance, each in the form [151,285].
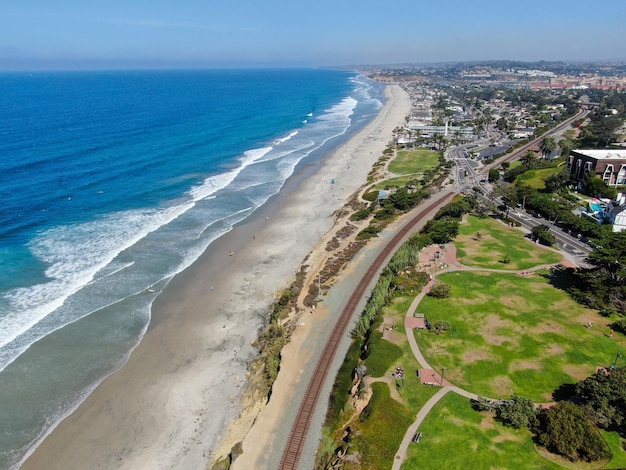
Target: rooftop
[603,154]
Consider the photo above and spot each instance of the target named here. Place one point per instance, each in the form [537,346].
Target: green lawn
[381,428]
[398,182]
[456,436]
[510,334]
[513,334]
[494,242]
[410,162]
[387,416]
[619,455]
[539,176]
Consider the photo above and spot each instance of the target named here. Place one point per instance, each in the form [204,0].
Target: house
[607,164]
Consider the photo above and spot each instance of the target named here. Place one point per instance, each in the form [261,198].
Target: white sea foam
[214,183]
[286,138]
[74,254]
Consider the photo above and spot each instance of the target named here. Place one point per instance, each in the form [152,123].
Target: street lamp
[443,370]
[616,358]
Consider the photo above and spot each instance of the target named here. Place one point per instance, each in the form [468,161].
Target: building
[608,165]
[463,133]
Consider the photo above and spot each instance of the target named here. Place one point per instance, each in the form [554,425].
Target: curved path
[453,265]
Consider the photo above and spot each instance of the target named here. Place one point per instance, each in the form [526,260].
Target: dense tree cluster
[445,225]
[604,395]
[565,429]
[604,285]
[517,412]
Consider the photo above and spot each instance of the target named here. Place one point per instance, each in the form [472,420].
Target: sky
[93,34]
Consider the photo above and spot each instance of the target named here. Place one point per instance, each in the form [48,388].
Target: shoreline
[157,410]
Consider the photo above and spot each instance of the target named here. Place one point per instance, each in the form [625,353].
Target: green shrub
[371,196]
[382,354]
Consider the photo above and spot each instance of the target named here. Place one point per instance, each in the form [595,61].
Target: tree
[517,412]
[605,395]
[558,181]
[603,130]
[594,186]
[494,175]
[529,160]
[566,147]
[548,145]
[609,255]
[566,430]
[543,235]
[443,230]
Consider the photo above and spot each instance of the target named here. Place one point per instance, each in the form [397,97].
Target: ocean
[113,182]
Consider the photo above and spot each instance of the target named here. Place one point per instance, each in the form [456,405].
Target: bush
[441,326]
[620,325]
[361,215]
[368,232]
[543,235]
[371,196]
[440,290]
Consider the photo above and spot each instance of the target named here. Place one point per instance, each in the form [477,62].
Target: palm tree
[548,145]
[529,160]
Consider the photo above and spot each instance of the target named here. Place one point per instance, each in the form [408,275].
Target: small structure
[419,321]
[432,377]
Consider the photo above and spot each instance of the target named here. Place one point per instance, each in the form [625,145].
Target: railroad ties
[300,429]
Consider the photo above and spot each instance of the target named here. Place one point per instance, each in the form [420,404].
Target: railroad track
[299,431]
[517,153]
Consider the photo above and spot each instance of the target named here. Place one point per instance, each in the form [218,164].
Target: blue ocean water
[113,182]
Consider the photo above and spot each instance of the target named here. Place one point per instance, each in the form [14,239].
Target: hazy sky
[235,33]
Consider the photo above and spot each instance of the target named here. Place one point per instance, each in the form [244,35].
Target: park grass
[456,436]
[513,334]
[495,242]
[510,334]
[414,394]
[408,395]
[382,355]
[381,429]
[615,444]
[398,182]
[409,165]
[410,162]
[539,177]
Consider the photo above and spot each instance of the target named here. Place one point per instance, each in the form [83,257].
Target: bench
[417,437]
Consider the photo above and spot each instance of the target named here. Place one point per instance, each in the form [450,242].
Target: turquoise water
[113,182]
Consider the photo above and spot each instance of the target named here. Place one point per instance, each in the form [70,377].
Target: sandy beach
[172,403]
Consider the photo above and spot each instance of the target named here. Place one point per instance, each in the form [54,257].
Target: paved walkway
[447,257]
